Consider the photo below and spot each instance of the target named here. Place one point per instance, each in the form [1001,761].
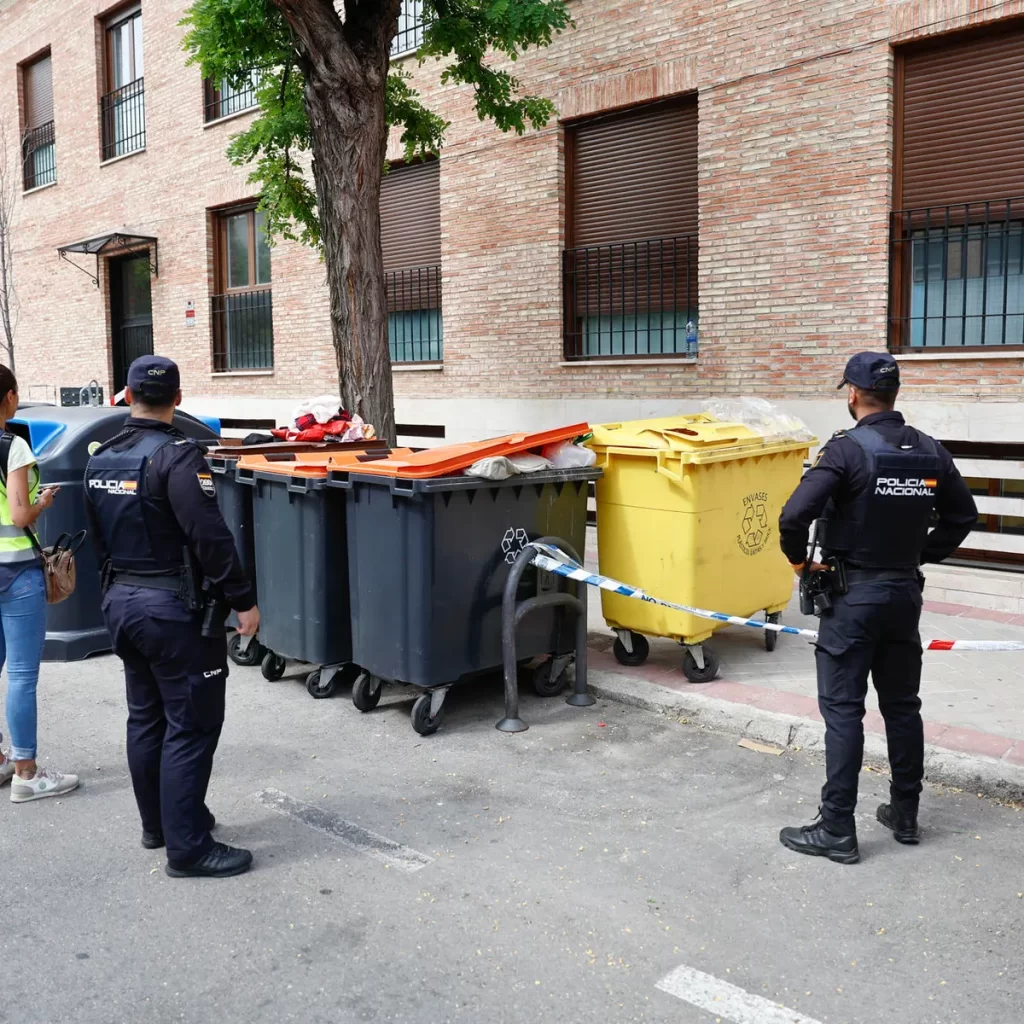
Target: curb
[999,779]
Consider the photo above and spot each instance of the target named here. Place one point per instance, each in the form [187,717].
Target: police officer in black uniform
[892,500]
[166,553]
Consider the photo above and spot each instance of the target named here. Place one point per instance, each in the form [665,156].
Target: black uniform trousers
[873,630]
[175,683]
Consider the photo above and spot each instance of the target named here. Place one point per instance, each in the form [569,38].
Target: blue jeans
[23,617]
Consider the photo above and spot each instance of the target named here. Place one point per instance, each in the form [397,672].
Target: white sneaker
[6,768]
[44,783]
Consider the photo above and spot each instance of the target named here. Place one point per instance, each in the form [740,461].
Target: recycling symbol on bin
[513,542]
[754,526]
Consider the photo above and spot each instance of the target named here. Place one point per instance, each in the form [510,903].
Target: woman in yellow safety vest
[22,608]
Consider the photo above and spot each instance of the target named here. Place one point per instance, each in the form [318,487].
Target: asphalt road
[557,875]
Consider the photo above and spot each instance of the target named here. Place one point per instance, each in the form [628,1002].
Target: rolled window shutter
[963,120]
[635,175]
[38,85]
[410,216]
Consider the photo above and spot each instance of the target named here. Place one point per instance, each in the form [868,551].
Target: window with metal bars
[241,312]
[410,228]
[224,98]
[957,276]
[38,156]
[410,28]
[956,270]
[631,299]
[629,275]
[123,107]
[415,331]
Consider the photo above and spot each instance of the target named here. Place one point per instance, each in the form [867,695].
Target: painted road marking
[729,1002]
[355,836]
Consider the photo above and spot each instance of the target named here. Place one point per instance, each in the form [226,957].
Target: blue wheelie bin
[63,439]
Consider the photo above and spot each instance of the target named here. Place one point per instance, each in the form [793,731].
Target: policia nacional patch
[206,483]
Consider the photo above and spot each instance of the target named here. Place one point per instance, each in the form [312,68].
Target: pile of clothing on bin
[560,455]
[323,419]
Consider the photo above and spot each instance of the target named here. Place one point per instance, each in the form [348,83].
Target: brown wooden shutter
[634,175]
[963,120]
[38,83]
[410,216]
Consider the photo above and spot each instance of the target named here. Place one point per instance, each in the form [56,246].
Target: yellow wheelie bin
[688,510]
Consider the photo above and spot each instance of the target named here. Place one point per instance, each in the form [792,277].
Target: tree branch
[370,25]
[320,35]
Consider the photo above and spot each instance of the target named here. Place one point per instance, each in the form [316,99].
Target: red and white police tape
[553,560]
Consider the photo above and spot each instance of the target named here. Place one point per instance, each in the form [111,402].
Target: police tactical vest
[138,538]
[16,548]
[886,526]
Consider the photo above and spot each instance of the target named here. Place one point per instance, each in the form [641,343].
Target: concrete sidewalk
[973,703]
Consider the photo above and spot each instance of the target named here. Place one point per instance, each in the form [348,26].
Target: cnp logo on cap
[155,374]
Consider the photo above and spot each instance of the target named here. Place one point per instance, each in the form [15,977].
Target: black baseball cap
[872,371]
[154,378]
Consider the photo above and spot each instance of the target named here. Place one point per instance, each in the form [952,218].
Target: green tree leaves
[229,39]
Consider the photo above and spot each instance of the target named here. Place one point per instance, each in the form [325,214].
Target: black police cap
[154,378]
[872,371]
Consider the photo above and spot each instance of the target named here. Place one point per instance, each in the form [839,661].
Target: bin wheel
[700,675]
[319,690]
[771,638]
[543,684]
[366,691]
[273,667]
[421,720]
[252,655]
[641,649]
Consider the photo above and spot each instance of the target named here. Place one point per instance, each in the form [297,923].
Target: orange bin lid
[453,458]
[313,464]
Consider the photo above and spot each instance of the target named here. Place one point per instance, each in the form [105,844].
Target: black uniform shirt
[841,472]
[176,478]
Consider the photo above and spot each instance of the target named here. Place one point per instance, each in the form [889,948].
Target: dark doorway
[131,314]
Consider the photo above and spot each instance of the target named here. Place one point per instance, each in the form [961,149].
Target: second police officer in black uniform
[892,500]
[161,539]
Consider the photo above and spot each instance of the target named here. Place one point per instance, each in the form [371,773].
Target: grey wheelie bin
[62,439]
[301,556]
[235,499]
[427,565]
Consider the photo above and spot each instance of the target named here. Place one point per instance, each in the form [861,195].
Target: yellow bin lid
[695,437]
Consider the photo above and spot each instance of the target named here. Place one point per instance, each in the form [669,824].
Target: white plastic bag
[566,455]
[355,431]
[760,416]
[501,467]
[497,467]
[525,462]
[324,408]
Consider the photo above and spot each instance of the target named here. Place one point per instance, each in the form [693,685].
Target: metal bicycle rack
[513,612]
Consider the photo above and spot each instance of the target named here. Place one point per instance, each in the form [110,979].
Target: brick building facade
[798,153]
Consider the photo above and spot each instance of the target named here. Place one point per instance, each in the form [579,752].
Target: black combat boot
[823,840]
[901,819]
[220,861]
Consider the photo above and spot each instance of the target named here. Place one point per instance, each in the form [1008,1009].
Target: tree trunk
[345,67]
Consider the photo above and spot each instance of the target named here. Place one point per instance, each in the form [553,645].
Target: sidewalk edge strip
[999,778]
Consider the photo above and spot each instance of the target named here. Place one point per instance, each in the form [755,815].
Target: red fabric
[316,432]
